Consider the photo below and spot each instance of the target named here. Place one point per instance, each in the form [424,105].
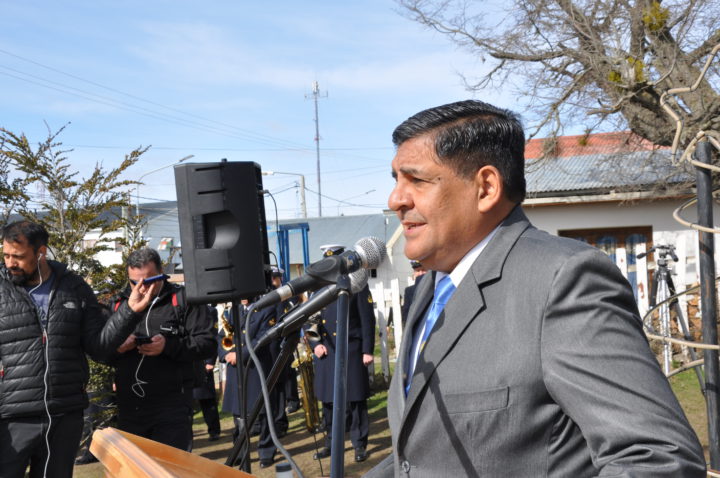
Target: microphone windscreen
[371,250]
[358,279]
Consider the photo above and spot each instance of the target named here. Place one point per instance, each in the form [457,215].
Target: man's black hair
[19,231]
[145,255]
[471,134]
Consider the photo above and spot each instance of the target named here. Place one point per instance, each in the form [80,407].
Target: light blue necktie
[443,291]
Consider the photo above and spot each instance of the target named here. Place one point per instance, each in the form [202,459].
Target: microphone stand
[240,369]
[277,369]
[337,447]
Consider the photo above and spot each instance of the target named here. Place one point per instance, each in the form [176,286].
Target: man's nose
[399,198]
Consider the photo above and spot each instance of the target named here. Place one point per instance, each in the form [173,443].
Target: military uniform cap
[332,249]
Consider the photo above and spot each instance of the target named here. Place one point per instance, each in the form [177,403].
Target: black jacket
[169,376]
[77,325]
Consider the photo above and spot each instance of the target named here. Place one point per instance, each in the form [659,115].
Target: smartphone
[142,339]
[150,280]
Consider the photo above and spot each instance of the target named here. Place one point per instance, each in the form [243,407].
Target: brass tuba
[306,382]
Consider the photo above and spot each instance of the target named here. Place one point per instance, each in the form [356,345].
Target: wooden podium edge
[124,455]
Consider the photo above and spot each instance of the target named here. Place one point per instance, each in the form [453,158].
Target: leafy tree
[70,208]
[12,190]
[609,59]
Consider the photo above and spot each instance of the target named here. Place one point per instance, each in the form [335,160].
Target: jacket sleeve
[597,366]
[105,331]
[367,320]
[198,342]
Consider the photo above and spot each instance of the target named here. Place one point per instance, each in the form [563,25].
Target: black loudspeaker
[223,231]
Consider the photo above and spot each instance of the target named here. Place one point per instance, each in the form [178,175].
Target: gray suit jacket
[538,367]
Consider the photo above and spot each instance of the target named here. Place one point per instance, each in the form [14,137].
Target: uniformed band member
[287,379]
[260,322]
[204,391]
[361,342]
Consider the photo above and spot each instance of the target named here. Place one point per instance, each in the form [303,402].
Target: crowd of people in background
[164,353]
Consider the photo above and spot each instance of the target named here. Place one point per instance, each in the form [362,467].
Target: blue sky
[229,79]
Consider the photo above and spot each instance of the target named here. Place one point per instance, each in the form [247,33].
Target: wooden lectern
[124,455]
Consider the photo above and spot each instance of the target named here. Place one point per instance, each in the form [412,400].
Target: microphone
[368,254]
[299,315]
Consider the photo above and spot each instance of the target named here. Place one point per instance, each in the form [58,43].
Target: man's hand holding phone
[143,291]
[154,347]
[142,340]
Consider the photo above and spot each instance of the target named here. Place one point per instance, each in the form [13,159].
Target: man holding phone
[154,365]
[50,321]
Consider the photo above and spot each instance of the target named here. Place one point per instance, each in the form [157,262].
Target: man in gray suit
[533,362]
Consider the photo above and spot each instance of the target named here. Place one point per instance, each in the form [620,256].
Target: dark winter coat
[260,322]
[205,387]
[77,325]
[361,340]
[169,377]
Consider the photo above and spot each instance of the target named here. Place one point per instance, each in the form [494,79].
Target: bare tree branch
[609,59]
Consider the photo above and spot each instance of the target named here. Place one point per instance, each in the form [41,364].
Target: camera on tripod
[663,251]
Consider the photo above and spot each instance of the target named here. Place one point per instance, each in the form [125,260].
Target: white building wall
[110,257]
[656,214]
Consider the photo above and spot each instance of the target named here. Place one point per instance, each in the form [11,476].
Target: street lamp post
[137,189]
[303,206]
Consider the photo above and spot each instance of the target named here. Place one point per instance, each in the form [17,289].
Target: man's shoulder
[541,250]
[537,239]
[66,278]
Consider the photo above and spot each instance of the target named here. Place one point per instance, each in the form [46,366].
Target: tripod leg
[664,316]
[686,334]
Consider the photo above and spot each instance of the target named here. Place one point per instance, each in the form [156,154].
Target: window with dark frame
[609,240]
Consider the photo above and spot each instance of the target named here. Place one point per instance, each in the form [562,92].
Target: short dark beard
[21,279]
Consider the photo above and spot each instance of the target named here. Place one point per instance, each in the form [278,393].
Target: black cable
[266,395]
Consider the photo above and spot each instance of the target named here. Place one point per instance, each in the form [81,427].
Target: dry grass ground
[298,442]
[687,389]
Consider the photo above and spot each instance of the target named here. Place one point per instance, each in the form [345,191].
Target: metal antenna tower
[315,95]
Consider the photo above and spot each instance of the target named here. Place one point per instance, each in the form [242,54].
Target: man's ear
[490,188]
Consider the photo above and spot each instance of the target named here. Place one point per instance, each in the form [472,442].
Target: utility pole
[315,95]
[303,207]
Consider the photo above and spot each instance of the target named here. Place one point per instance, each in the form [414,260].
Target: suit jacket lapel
[466,303]
[396,395]
[421,301]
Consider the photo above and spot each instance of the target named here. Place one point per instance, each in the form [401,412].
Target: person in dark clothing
[409,294]
[361,344]
[205,393]
[49,320]
[154,372]
[287,380]
[260,322]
